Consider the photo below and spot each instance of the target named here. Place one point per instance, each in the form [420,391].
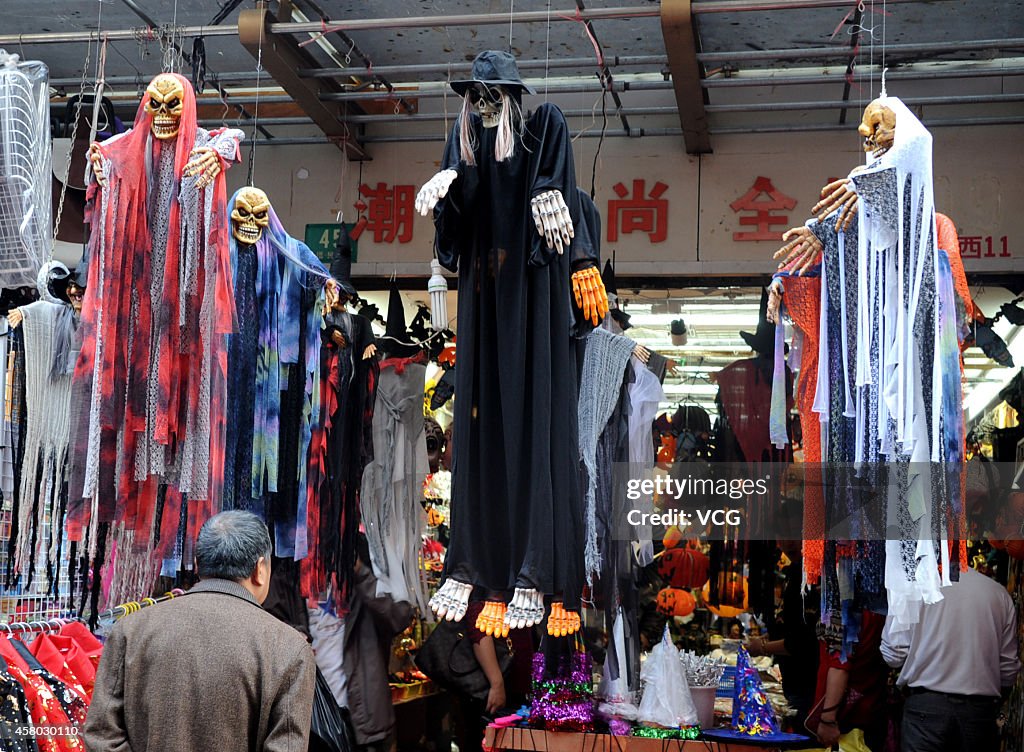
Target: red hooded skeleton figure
[150,379]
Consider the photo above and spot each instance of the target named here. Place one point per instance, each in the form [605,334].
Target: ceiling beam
[681,46]
[281,58]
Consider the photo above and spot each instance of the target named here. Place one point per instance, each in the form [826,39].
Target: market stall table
[536,740]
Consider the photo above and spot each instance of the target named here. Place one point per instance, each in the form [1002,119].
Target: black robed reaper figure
[516,504]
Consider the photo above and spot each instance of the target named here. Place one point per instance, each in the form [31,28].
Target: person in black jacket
[359,680]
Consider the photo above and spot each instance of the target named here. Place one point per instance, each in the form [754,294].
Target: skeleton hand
[642,353]
[96,158]
[15,317]
[840,195]
[551,216]
[332,298]
[205,163]
[801,252]
[588,288]
[370,351]
[434,190]
[774,301]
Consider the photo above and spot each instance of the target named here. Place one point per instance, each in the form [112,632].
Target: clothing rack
[131,607]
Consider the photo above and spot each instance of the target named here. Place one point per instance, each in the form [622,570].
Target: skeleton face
[166,103]
[878,127]
[76,295]
[250,215]
[487,101]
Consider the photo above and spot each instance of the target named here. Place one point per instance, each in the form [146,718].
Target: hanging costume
[341,444]
[149,386]
[887,382]
[48,330]
[516,511]
[392,491]
[274,378]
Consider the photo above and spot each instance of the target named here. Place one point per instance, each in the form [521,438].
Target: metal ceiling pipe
[847,104]
[241,122]
[657,132]
[809,127]
[317,27]
[894,50]
[756,6]
[438,116]
[469,19]
[825,78]
[142,80]
[426,69]
[438,92]
[200,101]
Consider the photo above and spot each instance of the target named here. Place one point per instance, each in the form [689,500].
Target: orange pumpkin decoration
[675,602]
[434,517]
[997,543]
[667,450]
[1015,548]
[673,537]
[732,595]
[683,567]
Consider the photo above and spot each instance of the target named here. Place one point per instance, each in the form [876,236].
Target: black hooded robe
[516,518]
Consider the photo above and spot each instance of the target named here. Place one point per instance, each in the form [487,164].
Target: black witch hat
[763,340]
[341,264]
[397,342]
[493,68]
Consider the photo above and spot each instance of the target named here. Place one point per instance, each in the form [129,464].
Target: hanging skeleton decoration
[881,363]
[505,208]
[49,328]
[273,367]
[250,215]
[342,433]
[152,373]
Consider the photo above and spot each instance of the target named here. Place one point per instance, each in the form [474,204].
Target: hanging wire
[511,12]
[547,53]
[256,111]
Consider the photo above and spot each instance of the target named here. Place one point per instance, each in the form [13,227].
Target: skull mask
[250,215]
[488,102]
[878,127]
[166,103]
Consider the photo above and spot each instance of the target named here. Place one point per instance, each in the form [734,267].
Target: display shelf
[535,740]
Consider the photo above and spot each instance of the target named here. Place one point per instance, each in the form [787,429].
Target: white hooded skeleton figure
[49,329]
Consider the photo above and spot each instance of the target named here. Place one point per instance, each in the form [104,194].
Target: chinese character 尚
[763,219]
[638,214]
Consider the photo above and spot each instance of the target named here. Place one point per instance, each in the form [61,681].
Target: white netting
[26,234]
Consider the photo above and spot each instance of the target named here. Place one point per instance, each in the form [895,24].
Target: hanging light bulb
[438,289]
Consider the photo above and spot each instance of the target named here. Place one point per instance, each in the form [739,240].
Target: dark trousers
[936,722]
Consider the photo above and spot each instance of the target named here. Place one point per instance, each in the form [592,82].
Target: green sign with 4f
[321,239]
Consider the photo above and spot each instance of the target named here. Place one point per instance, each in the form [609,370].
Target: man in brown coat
[209,671]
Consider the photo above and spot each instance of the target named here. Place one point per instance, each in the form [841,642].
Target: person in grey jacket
[208,670]
[353,654]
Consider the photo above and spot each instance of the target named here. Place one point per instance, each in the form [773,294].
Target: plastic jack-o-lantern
[683,567]
[675,602]
[1015,548]
[673,537]
[434,517]
[732,595]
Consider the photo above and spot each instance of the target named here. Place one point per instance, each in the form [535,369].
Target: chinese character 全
[762,219]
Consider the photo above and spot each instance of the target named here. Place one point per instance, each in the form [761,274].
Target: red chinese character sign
[389,213]
[641,212]
[763,198]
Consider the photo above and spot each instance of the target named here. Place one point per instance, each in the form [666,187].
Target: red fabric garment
[745,390]
[864,705]
[43,705]
[803,303]
[63,658]
[86,640]
[120,272]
